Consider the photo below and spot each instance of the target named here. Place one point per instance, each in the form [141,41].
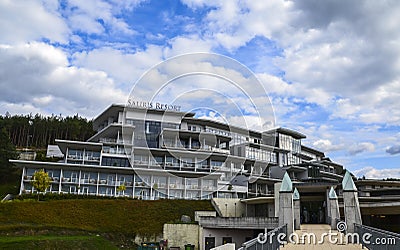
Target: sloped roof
[348,183]
[296,195]
[287,185]
[332,194]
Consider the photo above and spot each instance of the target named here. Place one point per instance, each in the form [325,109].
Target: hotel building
[171,154]
[165,153]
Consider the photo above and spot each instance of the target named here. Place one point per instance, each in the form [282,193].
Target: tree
[7,152]
[41,181]
[121,188]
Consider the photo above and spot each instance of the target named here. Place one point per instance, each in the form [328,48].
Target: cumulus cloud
[45,81]
[124,67]
[361,147]
[329,56]
[35,21]
[374,173]
[94,17]
[393,150]
[326,145]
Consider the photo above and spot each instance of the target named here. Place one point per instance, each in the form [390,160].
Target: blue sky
[329,68]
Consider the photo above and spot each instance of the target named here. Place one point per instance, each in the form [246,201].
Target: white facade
[152,154]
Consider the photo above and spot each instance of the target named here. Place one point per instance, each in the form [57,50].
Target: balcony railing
[111,140]
[206,148]
[239,222]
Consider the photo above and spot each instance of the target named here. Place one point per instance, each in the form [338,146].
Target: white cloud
[24,21]
[361,147]
[373,173]
[93,16]
[326,145]
[44,81]
[124,67]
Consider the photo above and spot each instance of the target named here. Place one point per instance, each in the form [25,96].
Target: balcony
[115,141]
[197,148]
[239,222]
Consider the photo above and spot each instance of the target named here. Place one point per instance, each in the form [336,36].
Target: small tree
[121,188]
[41,181]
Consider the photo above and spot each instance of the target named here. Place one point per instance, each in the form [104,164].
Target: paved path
[319,230]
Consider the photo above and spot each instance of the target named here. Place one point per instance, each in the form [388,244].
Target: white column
[60,181]
[83,156]
[184,186]
[66,155]
[22,181]
[97,183]
[79,182]
[133,185]
[115,184]
[168,182]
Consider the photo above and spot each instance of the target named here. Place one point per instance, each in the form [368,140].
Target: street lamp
[235,209]
[226,210]
[28,135]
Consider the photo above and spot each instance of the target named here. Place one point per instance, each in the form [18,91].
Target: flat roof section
[63,144]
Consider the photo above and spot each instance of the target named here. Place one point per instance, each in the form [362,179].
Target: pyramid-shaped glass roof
[332,194]
[286,184]
[348,183]
[296,195]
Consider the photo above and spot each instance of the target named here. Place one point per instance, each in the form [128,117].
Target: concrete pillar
[328,208]
[333,208]
[352,211]
[277,187]
[296,209]
[286,215]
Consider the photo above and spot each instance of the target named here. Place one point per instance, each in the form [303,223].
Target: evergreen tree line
[38,131]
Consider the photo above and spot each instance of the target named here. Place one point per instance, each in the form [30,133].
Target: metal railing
[239,222]
[377,239]
[271,241]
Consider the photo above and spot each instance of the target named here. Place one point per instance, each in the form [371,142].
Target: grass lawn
[55,242]
[118,221]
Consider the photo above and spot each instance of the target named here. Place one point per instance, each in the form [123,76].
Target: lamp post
[226,210]
[235,209]
[28,135]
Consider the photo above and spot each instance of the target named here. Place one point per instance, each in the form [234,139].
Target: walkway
[318,230]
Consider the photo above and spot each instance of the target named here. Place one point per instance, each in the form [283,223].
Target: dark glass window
[116,162]
[153,130]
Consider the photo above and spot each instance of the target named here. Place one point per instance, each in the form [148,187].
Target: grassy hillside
[106,217]
[55,242]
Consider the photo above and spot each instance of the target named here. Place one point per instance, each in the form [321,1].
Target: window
[226,240]
[116,162]
[74,177]
[141,159]
[85,190]
[153,130]
[171,161]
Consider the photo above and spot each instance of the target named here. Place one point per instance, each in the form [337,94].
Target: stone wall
[178,235]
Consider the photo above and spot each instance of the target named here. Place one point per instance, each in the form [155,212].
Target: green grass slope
[55,242]
[133,217]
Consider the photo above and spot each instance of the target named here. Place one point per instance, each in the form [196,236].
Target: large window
[152,130]
[293,145]
[116,162]
[141,159]
[75,154]
[260,154]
